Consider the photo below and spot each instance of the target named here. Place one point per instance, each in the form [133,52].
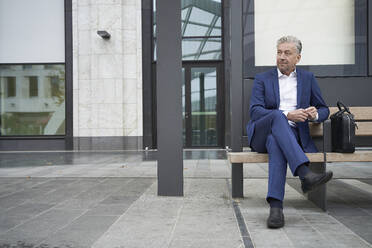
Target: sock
[302,170]
[275,203]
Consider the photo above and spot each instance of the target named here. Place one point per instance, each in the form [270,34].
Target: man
[283,101]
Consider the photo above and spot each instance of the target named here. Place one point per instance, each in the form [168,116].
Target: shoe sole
[275,225]
[322,181]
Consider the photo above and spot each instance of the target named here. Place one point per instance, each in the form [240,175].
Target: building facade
[64,87]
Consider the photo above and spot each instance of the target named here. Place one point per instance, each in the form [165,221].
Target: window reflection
[32,100]
[201,29]
[204,106]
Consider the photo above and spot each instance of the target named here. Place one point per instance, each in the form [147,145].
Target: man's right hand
[298,115]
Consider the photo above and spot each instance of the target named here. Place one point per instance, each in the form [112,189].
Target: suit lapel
[275,82]
[299,88]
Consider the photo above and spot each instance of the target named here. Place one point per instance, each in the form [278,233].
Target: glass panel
[202,16]
[200,19]
[11,86]
[204,106]
[33,86]
[216,31]
[201,49]
[32,31]
[32,100]
[333,21]
[195,30]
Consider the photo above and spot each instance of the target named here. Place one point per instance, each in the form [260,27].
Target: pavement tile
[40,227]
[201,243]
[92,196]
[8,222]
[112,202]
[66,192]
[109,209]
[82,232]
[270,238]
[27,209]
[348,240]
[148,222]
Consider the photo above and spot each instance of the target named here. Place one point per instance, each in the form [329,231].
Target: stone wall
[107,74]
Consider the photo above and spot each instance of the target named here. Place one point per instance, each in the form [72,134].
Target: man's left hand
[311,112]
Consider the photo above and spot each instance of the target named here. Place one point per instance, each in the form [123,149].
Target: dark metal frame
[369,38]
[147,75]
[220,100]
[38,139]
[360,68]
[149,68]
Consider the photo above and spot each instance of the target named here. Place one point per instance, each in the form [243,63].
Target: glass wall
[204,106]
[32,68]
[201,30]
[333,34]
[32,100]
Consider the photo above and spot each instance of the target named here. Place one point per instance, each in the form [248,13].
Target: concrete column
[169,97]
[236,93]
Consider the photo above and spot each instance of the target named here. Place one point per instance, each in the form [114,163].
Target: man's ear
[298,58]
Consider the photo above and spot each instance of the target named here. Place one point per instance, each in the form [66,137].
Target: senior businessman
[283,101]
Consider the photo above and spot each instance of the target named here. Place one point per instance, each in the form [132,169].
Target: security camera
[104,34]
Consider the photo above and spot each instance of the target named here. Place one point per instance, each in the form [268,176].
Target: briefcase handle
[340,105]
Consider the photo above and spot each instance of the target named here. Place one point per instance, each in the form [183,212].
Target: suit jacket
[265,98]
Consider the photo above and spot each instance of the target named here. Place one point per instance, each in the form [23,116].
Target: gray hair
[291,39]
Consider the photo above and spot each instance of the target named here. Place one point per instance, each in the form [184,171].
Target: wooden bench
[318,161]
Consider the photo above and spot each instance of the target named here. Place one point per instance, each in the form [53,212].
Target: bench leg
[237,180]
[319,196]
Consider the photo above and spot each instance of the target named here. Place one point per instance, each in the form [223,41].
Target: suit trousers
[274,135]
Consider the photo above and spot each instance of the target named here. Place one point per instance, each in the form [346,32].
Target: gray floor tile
[93,196]
[202,243]
[348,240]
[117,194]
[109,209]
[67,192]
[8,222]
[27,209]
[83,232]
[39,228]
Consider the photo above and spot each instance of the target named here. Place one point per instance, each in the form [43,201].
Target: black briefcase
[343,130]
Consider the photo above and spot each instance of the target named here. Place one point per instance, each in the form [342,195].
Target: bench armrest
[327,136]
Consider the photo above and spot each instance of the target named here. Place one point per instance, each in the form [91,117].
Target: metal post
[236,93]
[319,196]
[169,97]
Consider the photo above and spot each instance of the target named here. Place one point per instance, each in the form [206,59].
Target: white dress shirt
[288,93]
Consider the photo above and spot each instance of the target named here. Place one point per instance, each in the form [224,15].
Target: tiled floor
[109,199]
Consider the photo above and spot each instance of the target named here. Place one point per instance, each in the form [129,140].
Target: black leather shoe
[276,218]
[313,180]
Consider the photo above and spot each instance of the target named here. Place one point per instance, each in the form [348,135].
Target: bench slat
[364,129]
[360,113]
[255,157]
[358,156]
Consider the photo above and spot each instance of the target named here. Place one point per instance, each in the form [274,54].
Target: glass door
[201,106]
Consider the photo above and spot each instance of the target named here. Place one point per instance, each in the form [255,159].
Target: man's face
[287,57]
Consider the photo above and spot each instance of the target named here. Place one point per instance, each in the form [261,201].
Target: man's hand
[298,115]
[311,111]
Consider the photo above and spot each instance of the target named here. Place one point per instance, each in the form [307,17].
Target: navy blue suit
[268,129]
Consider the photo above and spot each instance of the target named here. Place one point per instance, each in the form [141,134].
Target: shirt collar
[293,74]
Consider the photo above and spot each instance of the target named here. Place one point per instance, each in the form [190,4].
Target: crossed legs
[275,136]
